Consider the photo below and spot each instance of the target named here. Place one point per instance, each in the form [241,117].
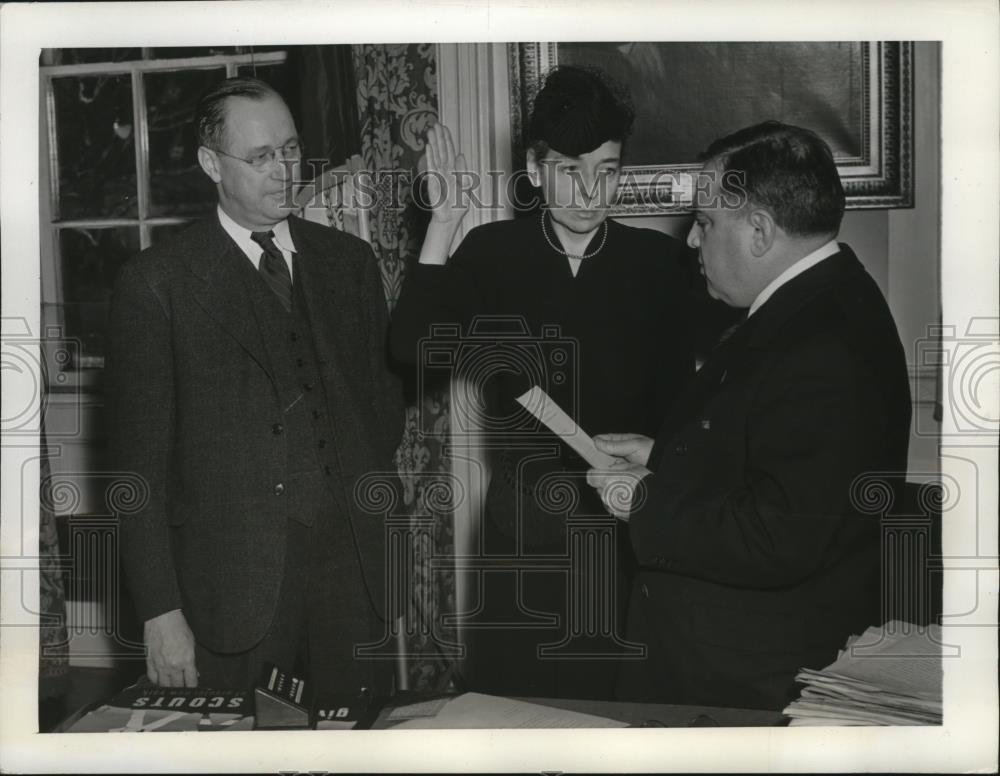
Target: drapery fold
[329,128]
[396,102]
[53,645]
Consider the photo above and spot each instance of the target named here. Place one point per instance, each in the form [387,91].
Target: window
[119,172]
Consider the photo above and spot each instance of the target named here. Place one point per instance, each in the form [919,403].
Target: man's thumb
[613,446]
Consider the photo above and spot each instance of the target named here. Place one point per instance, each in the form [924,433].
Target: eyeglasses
[292,150]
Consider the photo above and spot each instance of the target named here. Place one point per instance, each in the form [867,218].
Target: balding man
[753,561]
[247,384]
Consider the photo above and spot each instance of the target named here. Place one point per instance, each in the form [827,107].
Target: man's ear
[534,172]
[764,231]
[209,163]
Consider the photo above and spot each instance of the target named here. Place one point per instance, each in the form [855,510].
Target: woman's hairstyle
[210,113]
[577,110]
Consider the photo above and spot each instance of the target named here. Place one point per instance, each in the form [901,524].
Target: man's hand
[634,448]
[616,486]
[170,651]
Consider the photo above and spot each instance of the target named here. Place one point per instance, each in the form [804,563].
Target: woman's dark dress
[612,346]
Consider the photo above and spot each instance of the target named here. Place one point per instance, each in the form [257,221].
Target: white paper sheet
[891,675]
[539,404]
[474,710]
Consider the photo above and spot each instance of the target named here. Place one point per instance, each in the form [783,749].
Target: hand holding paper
[634,448]
[539,404]
[618,460]
[616,486]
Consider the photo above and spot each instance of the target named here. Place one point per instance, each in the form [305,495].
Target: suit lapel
[326,289]
[757,333]
[332,313]
[711,375]
[801,292]
[222,269]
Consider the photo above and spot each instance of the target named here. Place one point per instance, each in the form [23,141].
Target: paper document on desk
[891,675]
[539,404]
[474,710]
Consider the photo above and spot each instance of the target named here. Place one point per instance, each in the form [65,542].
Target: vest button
[279,489]
[316,414]
[277,428]
[300,362]
[293,336]
[326,470]
[322,444]
[307,387]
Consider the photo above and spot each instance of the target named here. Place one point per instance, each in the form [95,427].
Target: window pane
[80,56]
[184,52]
[94,135]
[90,259]
[178,186]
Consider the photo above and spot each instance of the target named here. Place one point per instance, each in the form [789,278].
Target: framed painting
[856,95]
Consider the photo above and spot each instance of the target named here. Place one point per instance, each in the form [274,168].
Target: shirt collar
[241,236]
[806,262]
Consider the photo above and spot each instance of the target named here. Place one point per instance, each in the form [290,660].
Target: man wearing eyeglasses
[247,384]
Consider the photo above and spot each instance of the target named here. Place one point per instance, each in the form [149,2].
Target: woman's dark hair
[577,110]
[210,113]
[787,169]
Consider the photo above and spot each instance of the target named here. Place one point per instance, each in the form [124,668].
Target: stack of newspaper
[890,675]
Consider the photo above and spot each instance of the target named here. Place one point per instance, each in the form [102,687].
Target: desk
[635,714]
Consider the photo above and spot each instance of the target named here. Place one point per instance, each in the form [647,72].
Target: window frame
[87,375]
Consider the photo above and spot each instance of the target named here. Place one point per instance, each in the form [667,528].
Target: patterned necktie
[274,269]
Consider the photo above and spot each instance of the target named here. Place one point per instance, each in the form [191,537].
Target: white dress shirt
[241,236]
[796,269]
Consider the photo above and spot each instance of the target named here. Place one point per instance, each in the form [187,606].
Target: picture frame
[857,95]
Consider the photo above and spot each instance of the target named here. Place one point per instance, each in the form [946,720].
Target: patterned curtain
[397,101]
[53,652]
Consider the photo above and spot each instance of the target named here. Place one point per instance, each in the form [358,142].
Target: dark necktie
[274,269]
[731,330]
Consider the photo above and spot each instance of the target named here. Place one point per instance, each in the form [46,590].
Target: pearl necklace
[569,255]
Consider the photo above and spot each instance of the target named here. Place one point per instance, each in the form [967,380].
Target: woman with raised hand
[592,311]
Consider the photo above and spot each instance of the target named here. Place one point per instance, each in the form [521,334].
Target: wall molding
[474,103]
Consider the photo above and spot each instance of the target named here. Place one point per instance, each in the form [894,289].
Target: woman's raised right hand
[448,199]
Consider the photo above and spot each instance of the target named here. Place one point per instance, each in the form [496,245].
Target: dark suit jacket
[192,403]
[754,561]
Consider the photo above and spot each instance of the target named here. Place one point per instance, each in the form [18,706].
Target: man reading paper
[753,560]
